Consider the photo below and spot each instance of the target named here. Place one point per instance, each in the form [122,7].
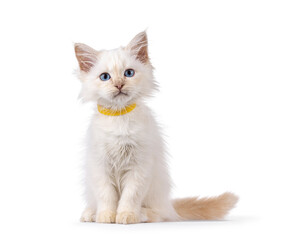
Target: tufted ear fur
[139,47]
[86,56]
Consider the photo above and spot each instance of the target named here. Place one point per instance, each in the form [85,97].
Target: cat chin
[119,101]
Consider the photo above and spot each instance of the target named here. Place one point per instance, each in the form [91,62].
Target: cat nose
[119,86]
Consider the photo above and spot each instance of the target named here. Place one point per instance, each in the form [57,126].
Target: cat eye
[105,76]
[129,73]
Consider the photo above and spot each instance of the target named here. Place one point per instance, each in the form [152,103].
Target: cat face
[116,77]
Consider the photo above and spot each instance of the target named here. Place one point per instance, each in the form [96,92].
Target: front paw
[106,217]
[127,218]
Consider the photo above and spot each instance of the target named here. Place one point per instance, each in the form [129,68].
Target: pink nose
[119,86]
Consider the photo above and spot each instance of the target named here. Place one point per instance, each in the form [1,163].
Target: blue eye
[129,73]
[104,76]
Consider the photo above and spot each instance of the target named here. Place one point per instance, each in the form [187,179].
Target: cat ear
[86,56]
[139,47]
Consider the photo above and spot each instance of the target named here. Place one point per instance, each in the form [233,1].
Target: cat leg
[134,188]
[89,213]
[157,201]
[107,200]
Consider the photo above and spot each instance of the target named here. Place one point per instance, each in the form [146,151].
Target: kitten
[127,179]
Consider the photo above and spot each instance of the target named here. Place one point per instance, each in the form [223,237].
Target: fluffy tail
[214,208]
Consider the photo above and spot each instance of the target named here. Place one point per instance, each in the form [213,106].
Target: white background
[229,103]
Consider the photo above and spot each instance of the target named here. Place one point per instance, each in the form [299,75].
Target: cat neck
[118,108]
[116,111]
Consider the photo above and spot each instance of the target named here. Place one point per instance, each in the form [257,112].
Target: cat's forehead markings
[115,61]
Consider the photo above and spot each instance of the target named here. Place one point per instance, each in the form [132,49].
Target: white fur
[126,171]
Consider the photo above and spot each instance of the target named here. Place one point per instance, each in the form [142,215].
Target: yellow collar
[110,112]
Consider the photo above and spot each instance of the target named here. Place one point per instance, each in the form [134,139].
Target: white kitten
[127,179]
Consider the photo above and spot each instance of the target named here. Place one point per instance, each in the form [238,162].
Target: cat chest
[119,143]
[120,150]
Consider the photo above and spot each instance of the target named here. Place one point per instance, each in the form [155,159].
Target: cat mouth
[121,94]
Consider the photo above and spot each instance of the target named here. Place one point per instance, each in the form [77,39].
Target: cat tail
[212,208]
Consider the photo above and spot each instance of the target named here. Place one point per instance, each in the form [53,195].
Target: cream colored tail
[214,208]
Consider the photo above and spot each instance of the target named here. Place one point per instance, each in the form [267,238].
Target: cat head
[118,77]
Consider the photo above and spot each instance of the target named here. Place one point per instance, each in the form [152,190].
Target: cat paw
[88,215]
[106,217]
[127,218]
